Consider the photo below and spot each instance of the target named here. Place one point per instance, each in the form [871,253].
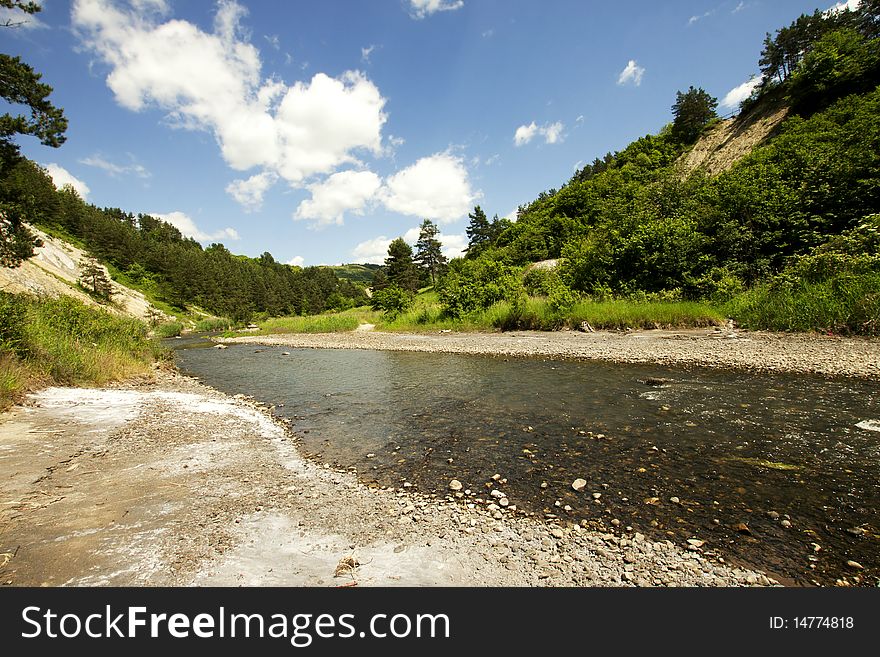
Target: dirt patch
[172,483]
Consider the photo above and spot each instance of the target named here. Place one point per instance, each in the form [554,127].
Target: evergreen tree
[399,266]
[479,232]
[20,85]
[693,109]
[429,255]
[93,278]
[380,280]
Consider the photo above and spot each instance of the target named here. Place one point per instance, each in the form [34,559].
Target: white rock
[455,484]
[577,484]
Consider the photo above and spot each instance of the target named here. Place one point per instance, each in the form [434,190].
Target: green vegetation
[20,85]
[63,341]
[213,324]
[328,323]
[168,329]
[360,274]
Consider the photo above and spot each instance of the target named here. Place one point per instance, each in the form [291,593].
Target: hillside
[355,273]
[730,140]
[54,271]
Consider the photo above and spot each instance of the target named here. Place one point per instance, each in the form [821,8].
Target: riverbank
[166,482]
[717,348]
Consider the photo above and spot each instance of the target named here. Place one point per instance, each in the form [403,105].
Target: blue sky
[319,131]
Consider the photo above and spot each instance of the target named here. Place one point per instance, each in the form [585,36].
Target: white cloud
[579,119]
[551,132]
[852,5]
[453,245]
[738,94]
[188,228]
[419,9]
[488,34]
[372,251]
[249,193]
[525,133]
[61,177]
[435,187]
[296,261]
[739,7]
[116,170]
[346,191]
[366,52]
[212,81]
[632,73]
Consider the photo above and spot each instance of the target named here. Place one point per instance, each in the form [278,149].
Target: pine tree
[93,279]
[429,255]
[692,110]
[399,266]
[479,232]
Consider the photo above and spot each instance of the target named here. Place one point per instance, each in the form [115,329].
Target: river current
[777,471]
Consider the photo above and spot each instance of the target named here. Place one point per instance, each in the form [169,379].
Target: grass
[846,304]
[168,329]
[213,324]
[328,323]
[63,341]
[535,313]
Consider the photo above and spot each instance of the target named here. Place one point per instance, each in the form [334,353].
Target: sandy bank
[758,351]
[168,482]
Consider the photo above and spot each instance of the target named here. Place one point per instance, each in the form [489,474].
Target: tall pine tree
[429,255]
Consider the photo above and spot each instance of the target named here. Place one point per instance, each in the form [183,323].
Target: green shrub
[477,284]
[169,329]
[392,301]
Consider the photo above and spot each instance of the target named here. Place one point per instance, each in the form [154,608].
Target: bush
[392,300]
[477,284]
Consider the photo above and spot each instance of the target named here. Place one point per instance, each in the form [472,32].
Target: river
[774,471]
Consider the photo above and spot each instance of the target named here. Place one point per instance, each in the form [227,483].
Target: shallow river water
[777,471]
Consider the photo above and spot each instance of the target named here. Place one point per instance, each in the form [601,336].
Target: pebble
[455,484]
[577,484]
[855,564]
[786,523]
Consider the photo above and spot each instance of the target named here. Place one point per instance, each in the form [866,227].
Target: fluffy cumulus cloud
[631,74]
[435,187]
[550,132]
[453,245]
[296,261]
[738,94]
[61,177]
[212,81]
[249,193]
[421,8]
[188,228]
[372,251]
[346,191]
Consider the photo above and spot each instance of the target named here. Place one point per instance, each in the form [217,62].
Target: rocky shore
[168,482]
[717,348]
